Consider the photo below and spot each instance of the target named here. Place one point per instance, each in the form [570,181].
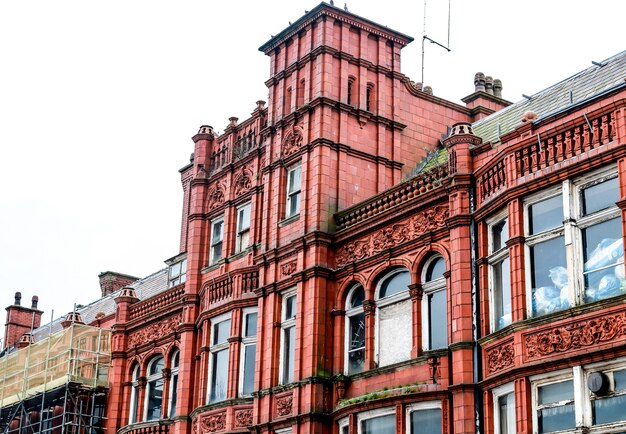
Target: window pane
[426,421]
[506,412]
[243,218]
[603,251]
[556,418]
[437,320]
[290,307]
[435,270]
[556,392]
[502,293]
[395,337]
[248,369]
[600,196]
[619,379]
[356,350]
[157,366]
[175,270]
[219,376]
[250,325]
[155,399]
[610,409]
[217,231]
[379,425]
[545,215]
[294,204]
[395,283]
[294,179]
[289,354]
[358,295]
[173,393]
[221,332]
[549,276]
[500,234]
[216,252]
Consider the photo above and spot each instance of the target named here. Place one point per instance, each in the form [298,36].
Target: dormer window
[178,273]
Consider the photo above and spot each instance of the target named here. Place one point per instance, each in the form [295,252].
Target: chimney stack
[21,320]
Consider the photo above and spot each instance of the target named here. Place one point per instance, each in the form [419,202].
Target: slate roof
[147,287]
[585,85]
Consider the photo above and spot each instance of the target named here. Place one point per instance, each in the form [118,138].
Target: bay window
[243,228]
[173,384]
[394,318]
[217,240]
[504,409]
[218,362]
[499,273]
[154,389]
[248,352]
[377,422]
[355,331]
[574,244]
[424,417]
[288,338]
[434,304]
[294,186]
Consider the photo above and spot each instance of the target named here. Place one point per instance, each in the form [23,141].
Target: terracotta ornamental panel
[393,235]
[599,331]
[155,331]
[500,357]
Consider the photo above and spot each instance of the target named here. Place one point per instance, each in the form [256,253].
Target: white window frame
[495,258]
[571,230]
[430,288]
[546,379]
[296,193]
[215,348]
[151,379]
[174,370]
[426,405]
[214,242]
[246,341]
[134,395]
[243,230]
[286,324]
[372,414]
[179,276]
[497,393]
[351,312]
[606,368]
[343,423]
[382,303]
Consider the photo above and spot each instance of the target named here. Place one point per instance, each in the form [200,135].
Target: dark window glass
[556,417]
[251,319]
[426,421]
[219,376]
[435,269]
[221,332]
[157,366]
[155,399]
[500,234]
[174,393]
[544,215]
[397,282]
[379,425]
[356,352]
[248,369]
[600,196]
[290,345]
[438,319]
[610,409]
[290,308]
[502,293]
[358,295]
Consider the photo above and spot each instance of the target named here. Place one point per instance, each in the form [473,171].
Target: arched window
[173,384]
[154,389]
[355,330]
[394,318]
[434,304]
[134,395]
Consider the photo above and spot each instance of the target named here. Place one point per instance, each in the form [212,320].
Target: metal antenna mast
[432,41]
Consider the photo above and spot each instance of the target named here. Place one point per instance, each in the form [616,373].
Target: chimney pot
[489,85]
[497,87]
[18,298]
[479,82]
[35,300]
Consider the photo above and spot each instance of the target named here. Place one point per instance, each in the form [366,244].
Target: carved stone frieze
[288,268]
[243,418]
[213,423]
[155,331]
[393,235]
[576,335]
[501,357]
[284,405]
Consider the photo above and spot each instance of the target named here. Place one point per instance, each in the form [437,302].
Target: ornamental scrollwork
[155,331]
[393,235]
[292,141]
[243,182]
[288,269]
[284,405]
[213,423]
[500,357]
[243,418]
[216,197]
[576,335]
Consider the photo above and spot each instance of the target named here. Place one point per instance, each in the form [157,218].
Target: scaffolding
[57,385]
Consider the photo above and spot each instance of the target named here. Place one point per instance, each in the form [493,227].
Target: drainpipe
[478,396]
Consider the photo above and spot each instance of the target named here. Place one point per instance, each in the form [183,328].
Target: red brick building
[362,256]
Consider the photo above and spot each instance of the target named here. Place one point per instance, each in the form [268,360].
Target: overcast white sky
[99,100]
